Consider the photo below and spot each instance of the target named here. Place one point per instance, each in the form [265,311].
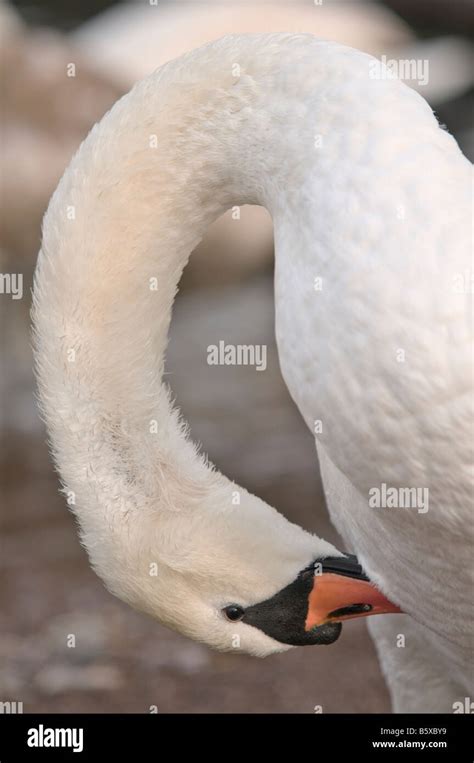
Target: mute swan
[369,199]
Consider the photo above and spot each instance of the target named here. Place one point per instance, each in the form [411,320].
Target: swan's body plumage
[369,198]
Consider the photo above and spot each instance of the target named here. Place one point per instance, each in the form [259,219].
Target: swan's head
[241,578]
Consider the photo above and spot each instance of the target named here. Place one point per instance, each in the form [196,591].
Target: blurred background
[122,661]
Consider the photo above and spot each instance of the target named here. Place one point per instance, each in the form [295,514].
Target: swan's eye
[234,612]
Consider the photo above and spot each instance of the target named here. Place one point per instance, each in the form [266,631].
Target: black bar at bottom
[154,737]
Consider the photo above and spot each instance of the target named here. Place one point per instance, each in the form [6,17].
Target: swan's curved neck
[232,123]
[161,166]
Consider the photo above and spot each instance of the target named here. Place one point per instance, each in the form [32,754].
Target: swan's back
[378,343]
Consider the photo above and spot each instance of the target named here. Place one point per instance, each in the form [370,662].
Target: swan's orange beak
[335,597]
[309,610]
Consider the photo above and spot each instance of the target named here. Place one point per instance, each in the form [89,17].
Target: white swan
[370,202]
